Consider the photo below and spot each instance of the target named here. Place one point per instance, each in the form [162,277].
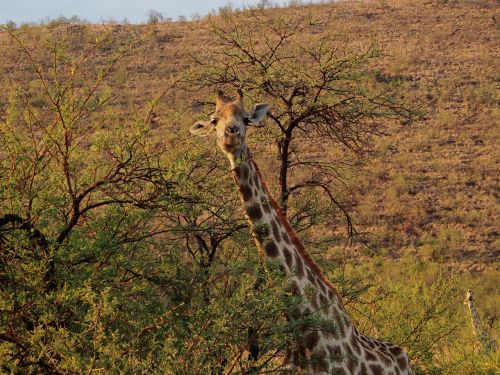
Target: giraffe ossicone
[336,348]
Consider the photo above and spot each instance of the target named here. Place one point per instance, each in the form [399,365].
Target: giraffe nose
[232,130]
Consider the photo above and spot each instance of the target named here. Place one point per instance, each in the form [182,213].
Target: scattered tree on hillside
[154,17]
[322,92]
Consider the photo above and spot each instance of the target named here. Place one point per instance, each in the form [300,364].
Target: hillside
[436,186]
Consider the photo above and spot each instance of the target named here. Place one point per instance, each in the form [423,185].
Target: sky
[135,11]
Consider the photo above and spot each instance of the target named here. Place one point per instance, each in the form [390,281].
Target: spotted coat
[337,348]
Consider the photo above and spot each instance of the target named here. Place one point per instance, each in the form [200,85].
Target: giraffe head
[470,296]
[230,122]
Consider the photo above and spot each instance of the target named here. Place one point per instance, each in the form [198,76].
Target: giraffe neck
[327,343]
[277,240]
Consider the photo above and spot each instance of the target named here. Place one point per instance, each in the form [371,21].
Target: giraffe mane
[293,235]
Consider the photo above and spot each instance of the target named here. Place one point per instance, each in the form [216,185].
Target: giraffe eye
[213,120]
[246,120]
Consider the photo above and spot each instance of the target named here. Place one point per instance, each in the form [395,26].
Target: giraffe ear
[258,113]
[202,128]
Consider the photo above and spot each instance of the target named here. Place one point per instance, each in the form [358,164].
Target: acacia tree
[79,183]
[322,92]
[109,243]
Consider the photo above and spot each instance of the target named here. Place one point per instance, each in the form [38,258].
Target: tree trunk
[283,182]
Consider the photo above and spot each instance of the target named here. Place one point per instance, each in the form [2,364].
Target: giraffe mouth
[231,142]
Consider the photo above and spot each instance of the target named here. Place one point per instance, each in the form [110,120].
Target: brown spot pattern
[355,344]
[377,369]
[255,179]
[288,257]
[395,350]
[311,277]
[254,212]
[246,192]
[402,363]
[370,356]
[271,249]
[276,230]
[286,238]
[300,266]
[311,340]
[384,359]
[244,172]
[322,286]
[363,370]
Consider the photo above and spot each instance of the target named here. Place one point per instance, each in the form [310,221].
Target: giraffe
[338,347]
[489,345]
